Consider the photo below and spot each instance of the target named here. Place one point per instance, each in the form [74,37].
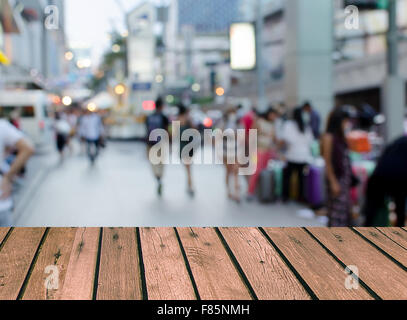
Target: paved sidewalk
[120,191]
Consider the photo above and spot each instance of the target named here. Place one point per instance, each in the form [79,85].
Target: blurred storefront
[359,56]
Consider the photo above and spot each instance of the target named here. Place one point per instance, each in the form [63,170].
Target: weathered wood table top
[202,263]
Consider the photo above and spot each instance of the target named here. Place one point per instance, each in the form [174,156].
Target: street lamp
[120,89]
[116,48]
[220,91]
[66,101]
[92,107]
[69,56]
[196,87]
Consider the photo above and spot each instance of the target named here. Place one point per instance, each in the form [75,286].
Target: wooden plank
[378,272]
[80,273]
[396,234]
[55,252]
[15,260]
[319,270]
[119,272]
[215,275]
[266,271]
[166,274]
[3,233]
[390,247]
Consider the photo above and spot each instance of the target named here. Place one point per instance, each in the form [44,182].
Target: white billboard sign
[242,46]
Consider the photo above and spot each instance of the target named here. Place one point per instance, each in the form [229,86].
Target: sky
[90,21]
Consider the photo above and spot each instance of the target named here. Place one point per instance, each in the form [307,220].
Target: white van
[31,106]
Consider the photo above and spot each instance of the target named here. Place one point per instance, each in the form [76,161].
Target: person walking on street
[297,139]
[186,158]
[92,130]
[72,119]
[338,168]
[157,121]
[266,142]
[11,137]
[62,131]
[230,149]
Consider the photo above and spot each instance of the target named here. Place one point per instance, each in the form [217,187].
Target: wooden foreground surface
[202,263]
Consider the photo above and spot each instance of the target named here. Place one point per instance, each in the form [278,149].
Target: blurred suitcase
[278,172]
[294,186]
[315,191]
[266,186]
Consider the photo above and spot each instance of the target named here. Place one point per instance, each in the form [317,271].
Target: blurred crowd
[341,171]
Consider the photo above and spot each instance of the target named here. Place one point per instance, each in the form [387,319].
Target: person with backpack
[156,121]
[11,137]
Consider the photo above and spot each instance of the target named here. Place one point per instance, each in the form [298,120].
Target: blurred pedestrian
[266,146]
[338,168]
[297,138]
[312,117]
[388,181]
[155,121]
[62,131]
[10,137]
[230,150]
[186,157]
[92,130]
[72,119]
[248,121]
[16,122]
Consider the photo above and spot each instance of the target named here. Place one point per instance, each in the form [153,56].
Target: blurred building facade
[35,52]
[359,56]
[197,46]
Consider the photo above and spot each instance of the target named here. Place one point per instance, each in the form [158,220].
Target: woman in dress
[338,168]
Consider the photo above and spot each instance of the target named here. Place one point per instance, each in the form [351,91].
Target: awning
[4,59]
[7,19]
[102,101]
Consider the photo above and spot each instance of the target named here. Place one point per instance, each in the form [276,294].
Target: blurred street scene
[308,99]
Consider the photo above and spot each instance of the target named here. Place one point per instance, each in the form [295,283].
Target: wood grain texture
[389,246]
[396,234]
[378,272]
[56,251]
[80,273]
[119,272]
[165,270]
[269,276]
[319,270]
[15,260]
[214,273]
[3,233]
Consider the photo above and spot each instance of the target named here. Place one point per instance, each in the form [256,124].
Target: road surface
[120,191]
